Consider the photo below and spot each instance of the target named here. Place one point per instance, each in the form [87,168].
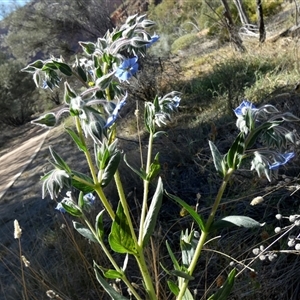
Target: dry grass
[212,84]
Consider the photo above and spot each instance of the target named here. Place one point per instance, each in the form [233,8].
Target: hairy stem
[204,234]
[97,187]
[146,190]
[111,259]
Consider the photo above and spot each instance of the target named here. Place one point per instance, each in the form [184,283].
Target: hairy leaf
[120,239]
[197,218]
[84,231]
[150,221]
[109,289]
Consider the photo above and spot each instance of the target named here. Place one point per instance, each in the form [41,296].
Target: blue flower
[127,69]
[176,101]
[60,208]
[241,109]
[45,85]
[154,39]
[89,198]
[284,158]
[113,117]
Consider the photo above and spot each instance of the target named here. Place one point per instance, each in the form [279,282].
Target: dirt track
[13,163]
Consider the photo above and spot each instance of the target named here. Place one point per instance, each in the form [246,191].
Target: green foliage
[17,102]
[228,80]
[43,29]
[184,42]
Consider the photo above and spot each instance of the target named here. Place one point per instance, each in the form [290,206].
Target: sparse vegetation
[212,84]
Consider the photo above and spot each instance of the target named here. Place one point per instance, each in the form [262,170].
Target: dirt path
[14,162]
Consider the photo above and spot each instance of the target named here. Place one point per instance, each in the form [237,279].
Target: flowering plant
[108,62]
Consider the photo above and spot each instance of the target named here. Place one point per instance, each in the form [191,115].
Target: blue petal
[60,208]
[112,118]
[285,158]
[176,100]
[127,69]
[239,110]
[154,39]
[90,198]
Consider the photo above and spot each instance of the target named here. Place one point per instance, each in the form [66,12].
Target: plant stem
[204,234]
[140,257]
[124,204]
[146,190]
[105,202]
[22,270]
[87,153]
[111,259]
[97,187]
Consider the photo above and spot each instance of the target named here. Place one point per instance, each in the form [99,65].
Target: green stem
[105,202]
[204,234]
[140,258]
[97,187]
[107,91]
[87,183]
[124,204]
[146,190]
[111,259]
[86,152]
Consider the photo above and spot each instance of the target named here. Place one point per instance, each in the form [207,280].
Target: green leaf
[154,168]
[99,225]
[218,159]
[149,115]
[120,239]
[49,66]
[111,168]
[38,64]
[47,120]
[240,221]
[69,93]
[80,200]
[109,289]
[84,231]
[81,73]
[104,81]
[173,287]
[188,245]
[111,274]
[81,146]
[141,173]
[117,35]
[236,152]
[182,274]
[64,68]
[197,218]
[72,210]
[187,295]
[59,161]
[173,258]
[88,48]
[85,188]
[153,211]
[224,292]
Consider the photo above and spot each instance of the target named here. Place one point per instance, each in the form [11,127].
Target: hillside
[213,79]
